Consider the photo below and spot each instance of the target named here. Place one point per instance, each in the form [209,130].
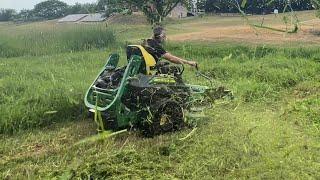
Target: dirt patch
[223,29]
[246,33]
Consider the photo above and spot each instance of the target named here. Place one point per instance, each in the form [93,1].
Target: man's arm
[177,60]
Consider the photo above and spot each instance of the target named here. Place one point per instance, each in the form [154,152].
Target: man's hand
[193,63]
[177,60]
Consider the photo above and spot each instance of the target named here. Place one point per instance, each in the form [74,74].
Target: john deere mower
[145,94]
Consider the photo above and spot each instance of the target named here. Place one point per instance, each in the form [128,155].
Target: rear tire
[168,117]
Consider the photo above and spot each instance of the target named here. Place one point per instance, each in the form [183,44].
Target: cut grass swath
[101,136]
[102,133]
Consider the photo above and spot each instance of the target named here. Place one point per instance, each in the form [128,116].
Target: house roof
[97,17]
[72,18]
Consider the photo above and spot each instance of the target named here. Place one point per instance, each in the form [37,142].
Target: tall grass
[255,73]
[37,91]
[55,40]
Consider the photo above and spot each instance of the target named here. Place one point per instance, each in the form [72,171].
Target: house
[97,17]
[72,18]
[180,11]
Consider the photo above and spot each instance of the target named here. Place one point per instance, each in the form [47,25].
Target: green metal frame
[108,101]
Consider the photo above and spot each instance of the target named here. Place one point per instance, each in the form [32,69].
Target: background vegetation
[254,6]
[155,11]
[55,40]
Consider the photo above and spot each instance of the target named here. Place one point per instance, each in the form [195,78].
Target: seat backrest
[148,59]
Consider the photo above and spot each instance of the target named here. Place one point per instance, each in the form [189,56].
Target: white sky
[29,4]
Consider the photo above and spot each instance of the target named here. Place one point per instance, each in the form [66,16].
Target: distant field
[231,29]
[269,131]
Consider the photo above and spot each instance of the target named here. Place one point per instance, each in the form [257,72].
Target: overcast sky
[29,4]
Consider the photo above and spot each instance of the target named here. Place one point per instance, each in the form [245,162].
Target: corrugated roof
[93,18]
[73,18]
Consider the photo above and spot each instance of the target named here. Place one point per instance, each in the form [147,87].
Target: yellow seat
[149,60]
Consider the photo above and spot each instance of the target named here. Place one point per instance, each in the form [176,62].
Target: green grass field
[269,131]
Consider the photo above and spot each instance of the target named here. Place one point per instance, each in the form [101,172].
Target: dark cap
[157,31]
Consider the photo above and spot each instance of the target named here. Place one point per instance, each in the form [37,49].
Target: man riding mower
[146,93]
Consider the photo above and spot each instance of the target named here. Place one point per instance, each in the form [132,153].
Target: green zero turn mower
[145,94]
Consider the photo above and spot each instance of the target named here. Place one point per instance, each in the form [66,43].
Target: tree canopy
[316,5]
[50,9]
[112,6]
[7,14]
[255,6]
[82,8]
[155,10]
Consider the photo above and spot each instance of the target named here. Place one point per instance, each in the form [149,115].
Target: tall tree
[257,6]
[82,8]
[316,5]
[50,9]
[25,15]
[155,10]
[7,14]
[220,6]
[76,9]
[90,7]
[112,6]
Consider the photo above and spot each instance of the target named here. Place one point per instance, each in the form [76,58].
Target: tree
[82,8]
[102,4]
[200,4]
[220,6]
[76,9]
[50,9]
[301,5]
[112,6]
[7,14]
[25,15]
[89,7]
[257,6]
[316,5]
[155,10]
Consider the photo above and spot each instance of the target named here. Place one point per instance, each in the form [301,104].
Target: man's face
[163,36]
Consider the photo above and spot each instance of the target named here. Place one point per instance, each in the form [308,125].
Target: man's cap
[157,31]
